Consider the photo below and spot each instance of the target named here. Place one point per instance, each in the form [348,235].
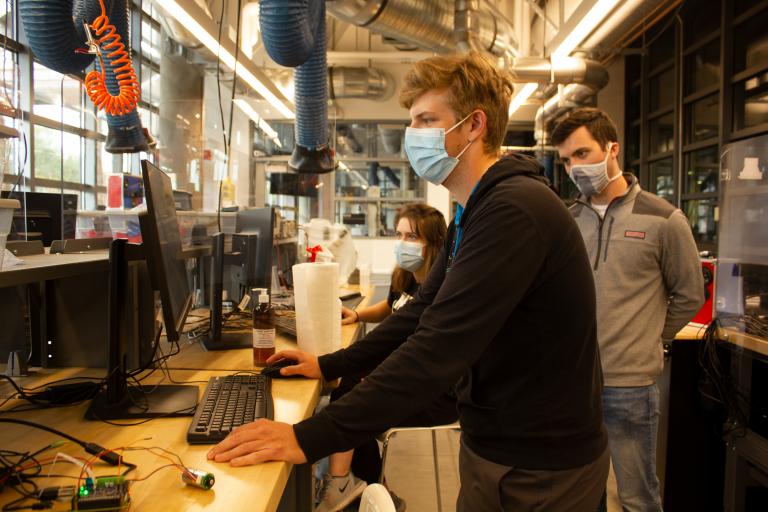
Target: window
[662,90]
[701,214]
[702,119]
[662,179]
[662,131]
[57,155]
[701,171]
[702,68]
[750,98]
[750,44]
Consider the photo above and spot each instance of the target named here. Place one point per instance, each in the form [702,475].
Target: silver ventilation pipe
[358,82]
[571,96]
[431,24]
[567,70]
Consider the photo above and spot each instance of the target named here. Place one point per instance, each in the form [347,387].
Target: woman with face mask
[421,232]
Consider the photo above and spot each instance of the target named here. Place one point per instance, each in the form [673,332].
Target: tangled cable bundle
[95,81]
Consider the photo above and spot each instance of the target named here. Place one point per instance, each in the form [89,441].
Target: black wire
[221,106]
[234,86]
[46,428]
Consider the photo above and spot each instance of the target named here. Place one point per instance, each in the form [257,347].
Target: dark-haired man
[649,285]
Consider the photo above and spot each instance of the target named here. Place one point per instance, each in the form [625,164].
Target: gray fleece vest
[648,280]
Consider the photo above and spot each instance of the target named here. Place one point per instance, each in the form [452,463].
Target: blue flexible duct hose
[55,30]
[294,36]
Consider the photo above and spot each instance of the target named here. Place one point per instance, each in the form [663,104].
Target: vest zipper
[599,239]
[608,239]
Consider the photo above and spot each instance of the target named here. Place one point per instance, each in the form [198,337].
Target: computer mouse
[273,370]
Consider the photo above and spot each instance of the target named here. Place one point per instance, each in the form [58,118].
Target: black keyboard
[352,302]
[229,402]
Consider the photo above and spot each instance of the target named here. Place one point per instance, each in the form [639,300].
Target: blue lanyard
[459,228]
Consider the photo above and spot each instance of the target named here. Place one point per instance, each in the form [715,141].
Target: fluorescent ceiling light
[587,24]
[260,122]
[522,96]
[173,8]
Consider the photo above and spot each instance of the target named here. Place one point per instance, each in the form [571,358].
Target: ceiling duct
[431,24]
[565,70]
[571,96]
[360,83]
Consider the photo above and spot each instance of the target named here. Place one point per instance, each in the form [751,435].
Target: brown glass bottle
[263,328]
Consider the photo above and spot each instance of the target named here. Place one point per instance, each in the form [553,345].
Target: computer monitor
[43,216]
[250,260]
[161,248]
[260,222]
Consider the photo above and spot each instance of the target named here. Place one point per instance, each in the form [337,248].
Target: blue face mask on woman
[409,255]
[425,148]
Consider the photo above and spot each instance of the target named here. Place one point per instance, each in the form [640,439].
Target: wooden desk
[257,488]
[744,340]
[691,332]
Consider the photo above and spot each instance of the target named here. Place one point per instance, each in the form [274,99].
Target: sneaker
[339,491]
[398,501]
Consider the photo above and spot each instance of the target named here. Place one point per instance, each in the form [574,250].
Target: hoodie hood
[507,167]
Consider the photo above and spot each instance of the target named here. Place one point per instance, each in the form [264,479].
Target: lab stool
[390,434]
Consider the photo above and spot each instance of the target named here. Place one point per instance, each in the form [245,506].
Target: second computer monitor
[163,245]
[258,221]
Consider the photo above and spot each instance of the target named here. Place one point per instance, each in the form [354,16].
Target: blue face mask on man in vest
[425,148]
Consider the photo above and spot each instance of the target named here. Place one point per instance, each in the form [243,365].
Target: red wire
[95,81]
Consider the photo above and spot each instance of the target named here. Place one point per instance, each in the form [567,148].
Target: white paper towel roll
[318,308]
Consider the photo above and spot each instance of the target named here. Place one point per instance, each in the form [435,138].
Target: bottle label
[263,338]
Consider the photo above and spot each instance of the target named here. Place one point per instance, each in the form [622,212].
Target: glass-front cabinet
[742,268]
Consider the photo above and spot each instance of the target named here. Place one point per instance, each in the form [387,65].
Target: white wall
[379,254]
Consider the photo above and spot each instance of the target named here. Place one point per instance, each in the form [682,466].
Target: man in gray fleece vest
[649,285]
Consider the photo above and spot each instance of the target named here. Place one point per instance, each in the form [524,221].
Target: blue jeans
[631,418]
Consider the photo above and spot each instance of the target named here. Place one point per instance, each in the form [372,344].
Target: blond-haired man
[507,313]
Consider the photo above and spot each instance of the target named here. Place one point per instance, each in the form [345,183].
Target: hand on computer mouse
[348,316]
[305,363]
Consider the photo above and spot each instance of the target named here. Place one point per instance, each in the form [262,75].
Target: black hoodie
[512,325]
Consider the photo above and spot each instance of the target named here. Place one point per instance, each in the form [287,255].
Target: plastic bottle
[263,328]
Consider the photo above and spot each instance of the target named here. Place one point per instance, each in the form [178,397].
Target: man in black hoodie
[507,314]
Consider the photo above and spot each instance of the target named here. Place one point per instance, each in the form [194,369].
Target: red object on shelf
[313,252]
[704,316]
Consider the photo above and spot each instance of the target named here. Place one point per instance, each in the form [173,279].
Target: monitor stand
[118,400]
[217,338]
[166,401]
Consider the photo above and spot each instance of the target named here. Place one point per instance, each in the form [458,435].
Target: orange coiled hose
[95,81]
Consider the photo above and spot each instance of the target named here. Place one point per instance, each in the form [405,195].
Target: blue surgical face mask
[425,148]
[591,179]
[409,255]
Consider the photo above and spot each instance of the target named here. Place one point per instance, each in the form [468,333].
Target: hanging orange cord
[95,81]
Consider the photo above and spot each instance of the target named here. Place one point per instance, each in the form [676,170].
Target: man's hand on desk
[306,363]
[260,441]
